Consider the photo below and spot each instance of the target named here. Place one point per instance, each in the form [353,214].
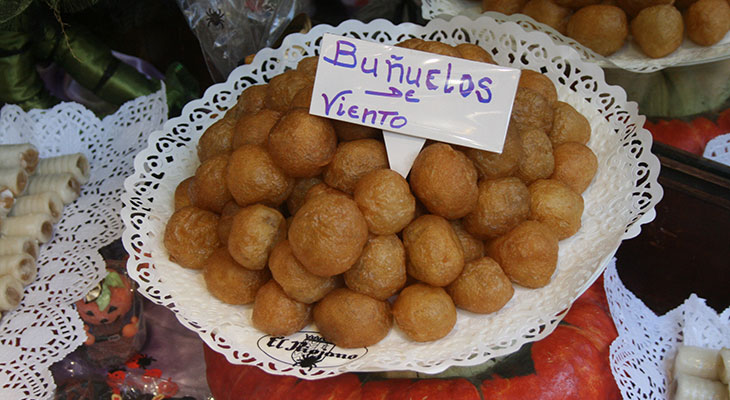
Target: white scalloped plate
[622,196]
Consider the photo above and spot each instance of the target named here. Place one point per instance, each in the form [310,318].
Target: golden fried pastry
[557,206]
[208,190]
[424,313]
[226,221]
[707,21]
[683,4]
[256,229]
[350,319]
[353,160]
[434,251]
[301,144]
[503,203]
[297,282]
[191,236]
[328,234]
[473,52]
[497,165]
[549,13]
[411,43]
[482,287]
[308,66]
[380,272]
[633,7]
[347,131]
[182,193]
[218,138]
[251,100]
[601,28]
[531,110]
[254,128]
[445,181]
[539,83]
[473,247]
[576,4]
[537,160]
[528,254]
[322,188]
[229,282]
[385,200]
[303,98]
[432,46]
[252,176]
[658,30]
[508,7]
[298,194]
[569,125]
[283,88]
[276,313]
[575,165]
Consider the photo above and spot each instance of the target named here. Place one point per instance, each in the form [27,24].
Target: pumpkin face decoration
[108,301]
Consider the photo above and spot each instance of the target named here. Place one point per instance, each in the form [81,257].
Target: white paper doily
[630,57]
[642,356]
[46,327]
[625,189]
[718,149]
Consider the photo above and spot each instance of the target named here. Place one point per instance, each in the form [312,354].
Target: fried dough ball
[308,66]
[557,206]
[658,30]
[229,282]
[297,282]
[531,110]
[575,165]
[323,188]
[434,251]
[432,46]
[380,272]
[298,194]
[254,128]
[191,236]
[301,144]
[482,287]
[497,165]
[548,13]
[385,200]
[226,221]
[218,138]
[528,254]
[508,7]
[347,131]
[276,313]
[252,176]
[683,4]
[424,313]
[328,234]
[503,203]
[255,231]
[707,21]
[601,28]
[251,100]
[283,88]
[569,125]
[473,247]
[411,43]
[350,319]
[445,181]
[537,160]
[303,98]
[473,52]
[182,193]
[352,161]
[208,190]
[539,83]
[576,4]
[633,7]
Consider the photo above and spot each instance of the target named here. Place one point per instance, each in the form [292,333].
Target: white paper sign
[415,93]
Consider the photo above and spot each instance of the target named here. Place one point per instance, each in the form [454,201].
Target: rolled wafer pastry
[64,184]
[21,266]
[725,367]
[7,199]
[37,226]
[23,155]
[19,244]
[696,388]
[15,179]
[39,203]
[11,292]
[697,361]
[76,164]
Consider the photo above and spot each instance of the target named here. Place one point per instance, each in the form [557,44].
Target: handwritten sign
[423,95]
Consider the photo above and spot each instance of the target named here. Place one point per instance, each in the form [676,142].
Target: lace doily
[630,57]
[642,356]
[625,189]
[46,327]
[718,149]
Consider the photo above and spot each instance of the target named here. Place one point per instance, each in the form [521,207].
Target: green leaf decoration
[104,298]
[113,280]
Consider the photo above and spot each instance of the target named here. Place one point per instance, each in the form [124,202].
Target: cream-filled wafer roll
[37,226]
[11,292]
[697,361]
[64,184]
[23,155]
[15,179]
[19,244]
[21,265]
[7,200]
[39,203]
[76,164]
[696,388]
[724,372]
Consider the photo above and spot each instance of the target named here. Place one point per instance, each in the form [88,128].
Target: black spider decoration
[215,18]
